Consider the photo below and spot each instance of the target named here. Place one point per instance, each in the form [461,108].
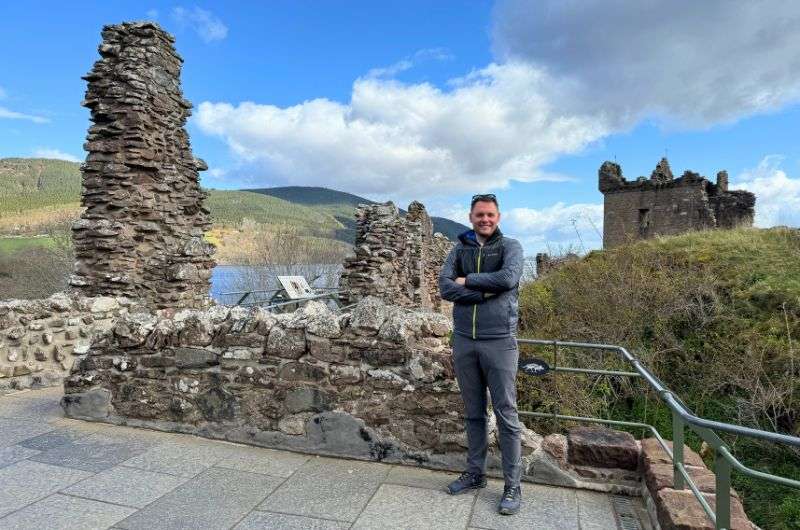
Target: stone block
[300,371]
[307,398]
[286,343]
[601,447]
[680,510]
[94,404]
[195,358]
[653,453]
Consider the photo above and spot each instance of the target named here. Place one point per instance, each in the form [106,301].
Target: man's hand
[461,281]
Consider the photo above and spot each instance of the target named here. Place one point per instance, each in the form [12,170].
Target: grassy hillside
[715,314]
[38,191]
[340,205]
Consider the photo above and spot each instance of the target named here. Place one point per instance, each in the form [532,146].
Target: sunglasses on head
[490,197]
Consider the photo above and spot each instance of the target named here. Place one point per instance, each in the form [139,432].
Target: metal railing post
[722,470]
[677,450]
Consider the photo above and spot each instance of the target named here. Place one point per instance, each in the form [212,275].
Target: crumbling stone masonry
[40,339]
[397,259]
[664,205]
[376,383]
[141,235]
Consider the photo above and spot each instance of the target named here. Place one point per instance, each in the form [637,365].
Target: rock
[304,398]
[368,316]
[21,369]
[94,404]
[300,371]
[132,329]
[652,453]
[659,476]
[320,348]
[60,302]
[81,348]
[556,446]
[680,510]
[239,354]
[530,440]
[104,304]
[195,358]
[294,425]
[323,323]
[286,343]
[601,447]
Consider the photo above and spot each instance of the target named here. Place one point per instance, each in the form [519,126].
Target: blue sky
[439,100]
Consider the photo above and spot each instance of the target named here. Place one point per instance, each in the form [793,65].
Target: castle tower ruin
[397,259]
[664,205]
[141,234]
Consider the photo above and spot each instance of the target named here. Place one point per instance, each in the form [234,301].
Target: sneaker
[510,501]
[467,481]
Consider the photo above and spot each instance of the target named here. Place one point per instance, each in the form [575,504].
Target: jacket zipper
[475,307]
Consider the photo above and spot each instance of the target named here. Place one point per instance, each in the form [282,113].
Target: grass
[715,314]
[10,245]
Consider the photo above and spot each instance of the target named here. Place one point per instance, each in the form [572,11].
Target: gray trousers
[492,364]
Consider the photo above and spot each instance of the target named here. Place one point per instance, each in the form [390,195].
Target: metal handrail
[682,417]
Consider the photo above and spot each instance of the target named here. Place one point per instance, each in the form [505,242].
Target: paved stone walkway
[61,473]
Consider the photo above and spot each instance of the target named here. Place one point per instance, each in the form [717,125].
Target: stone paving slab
[26,482]
[327,487]
[176,458]
[265,461]
[66,513]
[281,521]
[595,511]
[420,478]
[38,405]
[14,431]
[397,507]
[15,453]
[63,473]
[542,507]
[96,452]
[55,438]
[217,498]
[126,485]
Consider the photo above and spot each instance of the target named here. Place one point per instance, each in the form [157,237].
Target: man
[481,277]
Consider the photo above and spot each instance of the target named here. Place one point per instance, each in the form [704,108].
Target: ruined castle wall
[664,205]
[141,235]
[648,212]
[40,339]
[376,383]
[396,258]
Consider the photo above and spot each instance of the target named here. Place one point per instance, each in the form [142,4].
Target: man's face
[484,218]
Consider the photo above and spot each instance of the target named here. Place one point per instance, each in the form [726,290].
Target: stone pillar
[141,234]
[396,259]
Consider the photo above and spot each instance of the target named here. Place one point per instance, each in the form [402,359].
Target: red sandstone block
[653,453]
[680,510]
[601,447]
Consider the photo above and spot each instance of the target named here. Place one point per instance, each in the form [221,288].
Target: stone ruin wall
[141,235]
[397,259]
[40,339]
[664,205]
[376,383]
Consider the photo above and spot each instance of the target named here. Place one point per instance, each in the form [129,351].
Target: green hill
[32,183]
[340,205]
[716,315]
[38,188]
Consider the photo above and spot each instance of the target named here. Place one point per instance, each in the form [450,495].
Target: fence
[682,417]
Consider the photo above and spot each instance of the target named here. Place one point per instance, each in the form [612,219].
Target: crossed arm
[477,286]
[504,279]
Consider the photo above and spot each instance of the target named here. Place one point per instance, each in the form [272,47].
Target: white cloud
[13,115]
[777,195]
[207,25]
[409,140]
[577,226]
[697,63]
[426,54]
[152,14]
[45,152]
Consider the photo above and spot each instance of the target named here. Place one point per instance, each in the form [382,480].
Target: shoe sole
[507,512]
[465,489]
